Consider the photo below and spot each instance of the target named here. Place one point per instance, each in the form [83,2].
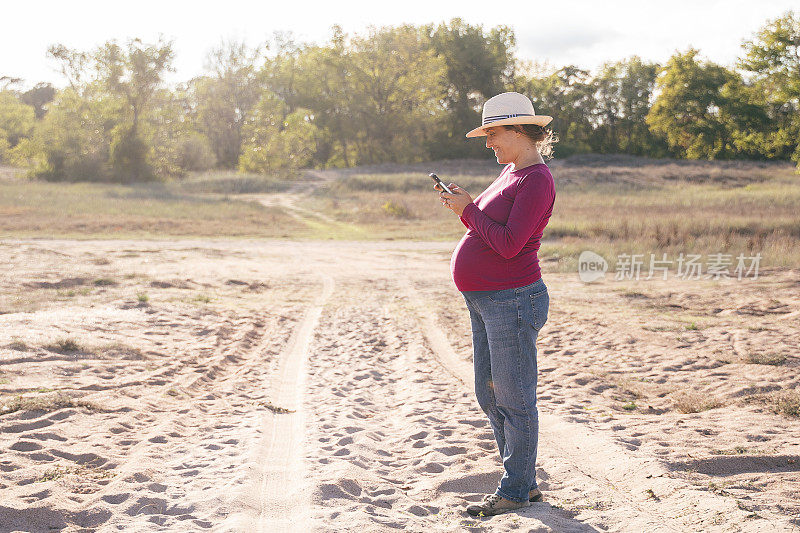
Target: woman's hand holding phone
[456,200]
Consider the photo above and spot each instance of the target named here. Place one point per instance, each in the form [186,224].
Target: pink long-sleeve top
[504,230]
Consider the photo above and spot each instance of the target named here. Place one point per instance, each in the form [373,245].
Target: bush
[694,402]
[395,209]
[4,148]
[60,166]
[194,153]
[787,403]
[128,156]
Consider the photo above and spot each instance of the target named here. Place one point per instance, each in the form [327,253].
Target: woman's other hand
[456,201]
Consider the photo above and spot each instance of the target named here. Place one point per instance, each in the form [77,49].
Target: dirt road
[268,386]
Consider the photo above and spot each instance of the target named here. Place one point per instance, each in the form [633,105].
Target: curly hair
[543,136]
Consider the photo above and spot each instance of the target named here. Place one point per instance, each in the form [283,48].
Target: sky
[580,32]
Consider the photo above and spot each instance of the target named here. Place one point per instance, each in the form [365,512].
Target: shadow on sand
[473,487]
[728,465]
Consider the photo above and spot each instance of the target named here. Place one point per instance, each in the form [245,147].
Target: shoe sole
[536,498]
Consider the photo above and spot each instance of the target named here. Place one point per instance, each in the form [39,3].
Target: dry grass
[18,345]
[82,471]
[91,210]
[786,403]
[275,408]
[766,358]
[118,350]
[609,204]
[46,402]
[694,402]
[64,346]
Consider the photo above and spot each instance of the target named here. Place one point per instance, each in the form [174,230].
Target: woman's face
[506,143]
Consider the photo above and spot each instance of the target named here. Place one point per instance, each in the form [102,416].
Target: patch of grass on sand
[64,346]
[46,402]
[787,403]
[717,488]
[142,297]
[120,350]
[694,402]
[60,471]
[629,387]
[105,282]
[737,450]
[18,345]
[629,406]
[660,328]
[71,293]
[633,294]
[766,358]
[275,408]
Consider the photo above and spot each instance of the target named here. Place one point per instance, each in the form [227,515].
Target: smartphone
[435,178]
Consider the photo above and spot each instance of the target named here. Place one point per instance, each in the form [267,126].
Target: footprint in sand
[25,446]
[115,499]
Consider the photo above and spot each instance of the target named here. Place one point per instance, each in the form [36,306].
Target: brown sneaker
[495,504]
[535,495]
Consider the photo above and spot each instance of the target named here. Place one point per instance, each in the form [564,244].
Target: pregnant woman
[496,268]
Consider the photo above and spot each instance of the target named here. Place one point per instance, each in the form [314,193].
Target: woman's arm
[533,201]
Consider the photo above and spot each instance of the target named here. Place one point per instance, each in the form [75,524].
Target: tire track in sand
[590,462]
[281,507]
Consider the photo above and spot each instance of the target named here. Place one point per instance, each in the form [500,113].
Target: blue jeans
[505,325]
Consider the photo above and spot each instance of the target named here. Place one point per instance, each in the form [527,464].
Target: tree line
[393,94]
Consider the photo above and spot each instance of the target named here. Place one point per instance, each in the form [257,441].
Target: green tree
[38,97]
[317,78]
[72,141]
[276,139]
[16,121]
[478,65]
[567,94]
[133,74]
[694,105]
[394,87]
[772,57]
[225,99]
[175,145]
[623,93]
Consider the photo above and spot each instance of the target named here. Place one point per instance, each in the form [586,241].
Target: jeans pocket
[540,302]
[503,297]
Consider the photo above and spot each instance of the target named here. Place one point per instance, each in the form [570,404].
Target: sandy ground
[277,385]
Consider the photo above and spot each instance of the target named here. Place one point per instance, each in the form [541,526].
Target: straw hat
[506,109]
